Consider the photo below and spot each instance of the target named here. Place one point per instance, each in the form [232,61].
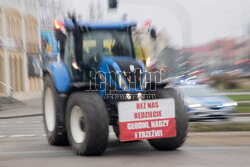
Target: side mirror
[59,35]
[153,34]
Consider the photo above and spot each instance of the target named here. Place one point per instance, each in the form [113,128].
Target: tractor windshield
[107,43]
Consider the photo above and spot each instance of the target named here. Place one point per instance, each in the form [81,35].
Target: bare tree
[49,10]
[99,11]
[91,12]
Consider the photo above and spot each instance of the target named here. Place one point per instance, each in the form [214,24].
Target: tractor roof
[101,25]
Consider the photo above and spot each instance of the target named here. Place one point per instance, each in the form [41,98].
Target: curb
[28,96]
[21,116]
[217,134]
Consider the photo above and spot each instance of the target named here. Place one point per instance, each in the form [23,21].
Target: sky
[185,22]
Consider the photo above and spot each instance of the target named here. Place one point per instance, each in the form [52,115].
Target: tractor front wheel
[87,123]
[53,126]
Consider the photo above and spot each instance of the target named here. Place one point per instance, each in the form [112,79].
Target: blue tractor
[96,72]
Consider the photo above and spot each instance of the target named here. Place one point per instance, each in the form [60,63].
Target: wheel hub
[81,122]
[77,125]
[49,110]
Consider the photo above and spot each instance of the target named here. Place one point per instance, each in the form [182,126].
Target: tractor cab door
[79,64]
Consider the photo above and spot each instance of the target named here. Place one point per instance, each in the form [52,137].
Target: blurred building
[222,54]
[19,42]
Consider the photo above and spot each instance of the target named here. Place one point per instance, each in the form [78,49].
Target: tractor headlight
[144,83]
[122,82]
[230,104]
[103,79]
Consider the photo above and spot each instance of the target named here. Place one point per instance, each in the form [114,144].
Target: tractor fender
[60,76]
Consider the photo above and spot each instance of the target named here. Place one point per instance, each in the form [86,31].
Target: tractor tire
[54,128]
[116,130]
[181,118]
[87,123]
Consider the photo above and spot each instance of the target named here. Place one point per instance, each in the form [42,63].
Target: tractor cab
[100,54]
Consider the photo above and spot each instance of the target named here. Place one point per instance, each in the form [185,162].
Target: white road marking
[31,135]
[35,152]
[20,122]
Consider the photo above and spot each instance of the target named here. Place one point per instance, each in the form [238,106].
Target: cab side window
[69,52]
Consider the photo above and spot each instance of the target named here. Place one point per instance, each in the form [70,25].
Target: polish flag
[147,24]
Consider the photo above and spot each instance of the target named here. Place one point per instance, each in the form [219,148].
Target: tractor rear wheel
[116,130]
[181,120]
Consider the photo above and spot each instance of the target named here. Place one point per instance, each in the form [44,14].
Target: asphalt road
[23,144]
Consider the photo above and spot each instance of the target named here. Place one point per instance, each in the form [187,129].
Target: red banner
[148,129]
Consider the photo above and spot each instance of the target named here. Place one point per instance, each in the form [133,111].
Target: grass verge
[243,109]
[239,97]
[219,127]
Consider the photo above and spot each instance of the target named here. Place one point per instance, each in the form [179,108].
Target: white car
[204,102]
